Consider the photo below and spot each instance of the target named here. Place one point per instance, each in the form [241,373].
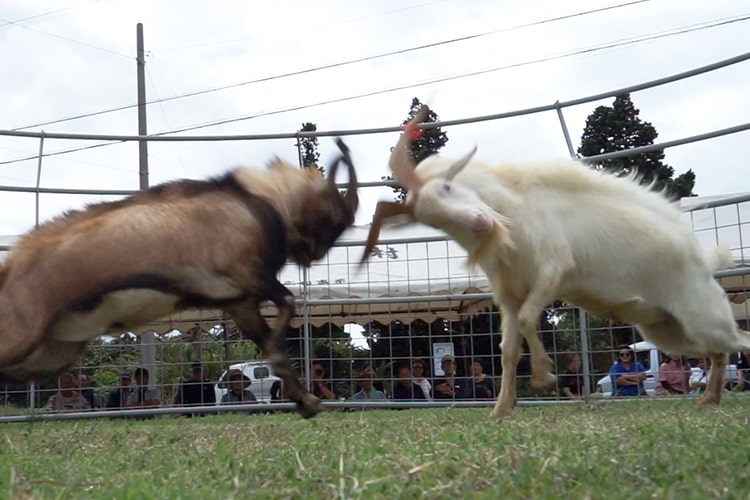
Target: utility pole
[142,128]
[148,340]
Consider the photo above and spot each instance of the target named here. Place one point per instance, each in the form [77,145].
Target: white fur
[563,231]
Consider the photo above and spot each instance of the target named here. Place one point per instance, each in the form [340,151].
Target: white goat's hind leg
[511,350]
[712,394]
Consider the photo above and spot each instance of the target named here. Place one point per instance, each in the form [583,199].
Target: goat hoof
[498,412]
[708,399]
[545,382]
[309,406]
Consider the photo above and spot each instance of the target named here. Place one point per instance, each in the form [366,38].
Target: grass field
[638,449]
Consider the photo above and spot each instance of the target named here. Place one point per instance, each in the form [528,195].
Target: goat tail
[719,258]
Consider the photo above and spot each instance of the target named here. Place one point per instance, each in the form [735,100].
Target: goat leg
[248,319]
[712,394]
[511,352]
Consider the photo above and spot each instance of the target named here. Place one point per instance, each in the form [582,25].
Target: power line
[43,14]
[60,37]
[340,64]
[589,50]
[570,54]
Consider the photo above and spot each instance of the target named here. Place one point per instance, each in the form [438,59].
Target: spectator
[238,389]
[321,388]
[196,390]
[572,381]
[419,374]
[479,385]
[376,382]
[674,376]
[405,388]
[699,380]
[83,384]
[118,397]
[366,390]
[743,372]
[141,395]
[277,391]
[627,374]
[67,399]
[449,386]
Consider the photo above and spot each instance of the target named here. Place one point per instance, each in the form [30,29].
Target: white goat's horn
[460,164]
[401,163]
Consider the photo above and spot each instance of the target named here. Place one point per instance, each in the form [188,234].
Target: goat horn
[351,190]
[460,164]
[401,163]
[383,210]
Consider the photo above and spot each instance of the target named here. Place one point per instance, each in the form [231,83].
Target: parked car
[261,379]
[649,356]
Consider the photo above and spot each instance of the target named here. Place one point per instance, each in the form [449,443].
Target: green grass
[639,449]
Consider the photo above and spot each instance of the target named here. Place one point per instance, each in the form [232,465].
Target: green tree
[617,128]
[308,148]
[431,141]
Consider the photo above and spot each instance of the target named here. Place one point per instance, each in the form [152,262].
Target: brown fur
[117,265]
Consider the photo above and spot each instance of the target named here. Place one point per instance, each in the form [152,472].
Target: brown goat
[185,244]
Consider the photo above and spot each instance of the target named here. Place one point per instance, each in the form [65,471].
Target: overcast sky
[66,58]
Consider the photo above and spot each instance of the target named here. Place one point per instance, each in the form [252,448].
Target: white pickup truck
[648,355]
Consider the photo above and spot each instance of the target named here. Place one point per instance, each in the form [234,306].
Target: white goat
[216,243]
[560,230]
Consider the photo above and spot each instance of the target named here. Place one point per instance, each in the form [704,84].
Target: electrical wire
[338,64]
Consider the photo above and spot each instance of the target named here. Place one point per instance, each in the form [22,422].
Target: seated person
[141,395]
[366,391]
[627,374]
[743,372]
[479,385]
[699,380]
[119,395]
[419,372]
[674,376]
[405,388]
[67,399]
[321,388]
[238,389]
[572,382]
[449,386]
[196,390]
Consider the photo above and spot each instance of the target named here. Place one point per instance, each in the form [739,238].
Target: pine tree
[431,141]
[617,128]
[308,148]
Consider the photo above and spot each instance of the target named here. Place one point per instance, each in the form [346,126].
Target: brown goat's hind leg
[273,344]
[712,394]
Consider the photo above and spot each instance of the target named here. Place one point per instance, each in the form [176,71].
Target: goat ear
[384,210]
[459,165]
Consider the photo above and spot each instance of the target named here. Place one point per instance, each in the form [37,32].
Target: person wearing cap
[141,395]
[239,389]
[118,396]
[449,386]
[196,390]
